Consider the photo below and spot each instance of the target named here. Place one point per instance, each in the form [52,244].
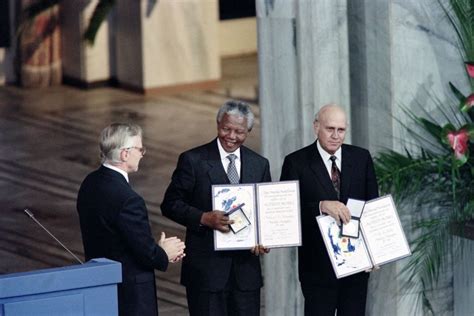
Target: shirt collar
[325,155]
[224,153]
[123,173]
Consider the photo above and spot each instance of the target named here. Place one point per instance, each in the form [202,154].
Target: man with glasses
[114,221]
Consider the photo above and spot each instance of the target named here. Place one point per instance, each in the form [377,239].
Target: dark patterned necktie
[232,170]
[335,176]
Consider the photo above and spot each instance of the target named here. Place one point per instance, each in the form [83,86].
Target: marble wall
[370,67]
[165,43]
[464,278]
[83,62]
[237,37]
[303,64]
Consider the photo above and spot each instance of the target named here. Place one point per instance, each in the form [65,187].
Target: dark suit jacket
[114,225]
[188,196]
[357,181]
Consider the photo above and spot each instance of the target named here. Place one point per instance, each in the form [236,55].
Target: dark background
[234,9]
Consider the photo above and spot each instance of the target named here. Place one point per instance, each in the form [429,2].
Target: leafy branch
[434,180]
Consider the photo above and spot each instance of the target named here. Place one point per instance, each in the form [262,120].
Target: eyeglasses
[142,150]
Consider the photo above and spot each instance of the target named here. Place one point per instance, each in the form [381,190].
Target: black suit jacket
[357,181]
[188,196]
[114,225]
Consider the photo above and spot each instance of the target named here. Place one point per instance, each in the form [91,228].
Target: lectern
[88,289]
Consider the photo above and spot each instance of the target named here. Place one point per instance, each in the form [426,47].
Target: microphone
[30,215]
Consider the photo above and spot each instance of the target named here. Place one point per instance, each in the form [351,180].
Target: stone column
[303,64]
[167,44]
[84,64]
[370,68]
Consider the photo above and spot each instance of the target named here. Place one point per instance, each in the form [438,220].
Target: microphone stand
[30,215]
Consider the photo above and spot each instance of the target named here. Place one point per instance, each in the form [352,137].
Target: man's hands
[259,250]
[173,246]
[337,210]
[216,220]
[375,268]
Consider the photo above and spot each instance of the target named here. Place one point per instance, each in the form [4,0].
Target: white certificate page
[383,232]
[227,197]
[279,223]
[347,255]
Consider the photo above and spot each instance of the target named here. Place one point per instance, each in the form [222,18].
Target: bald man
[329,173]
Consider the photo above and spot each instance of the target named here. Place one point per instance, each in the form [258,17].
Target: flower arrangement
[435,182]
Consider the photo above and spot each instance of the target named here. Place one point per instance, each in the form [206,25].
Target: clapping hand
[173,246]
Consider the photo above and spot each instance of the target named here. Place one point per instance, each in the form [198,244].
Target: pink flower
[469,103]
[470,100]
[458,141]
[470,68]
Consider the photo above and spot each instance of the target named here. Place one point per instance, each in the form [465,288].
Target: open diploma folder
[381,241]
[265,214]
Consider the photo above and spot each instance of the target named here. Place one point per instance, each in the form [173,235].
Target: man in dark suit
[325,187]
[114,221]
[217,282]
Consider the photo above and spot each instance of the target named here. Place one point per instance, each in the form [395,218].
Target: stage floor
[49,143]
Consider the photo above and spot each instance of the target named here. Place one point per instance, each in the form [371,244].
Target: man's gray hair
[234,107]
[114,138]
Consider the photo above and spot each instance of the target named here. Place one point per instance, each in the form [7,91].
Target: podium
[88,289]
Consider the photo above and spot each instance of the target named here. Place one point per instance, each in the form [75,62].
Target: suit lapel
[346,174]
[217,174]
[248,170]
[319,168]
[216,171]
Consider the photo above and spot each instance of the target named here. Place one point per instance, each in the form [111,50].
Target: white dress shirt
[327,158]
[225,161]
[123,173]
[328,163]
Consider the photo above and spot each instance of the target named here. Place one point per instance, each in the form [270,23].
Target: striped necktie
[335,177]
[232,173]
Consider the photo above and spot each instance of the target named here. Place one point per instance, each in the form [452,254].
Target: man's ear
[316,128]
[124,154]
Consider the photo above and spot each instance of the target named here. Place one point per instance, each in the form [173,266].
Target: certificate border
[331,258]
[296,182]
[389,196]
[253,225]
